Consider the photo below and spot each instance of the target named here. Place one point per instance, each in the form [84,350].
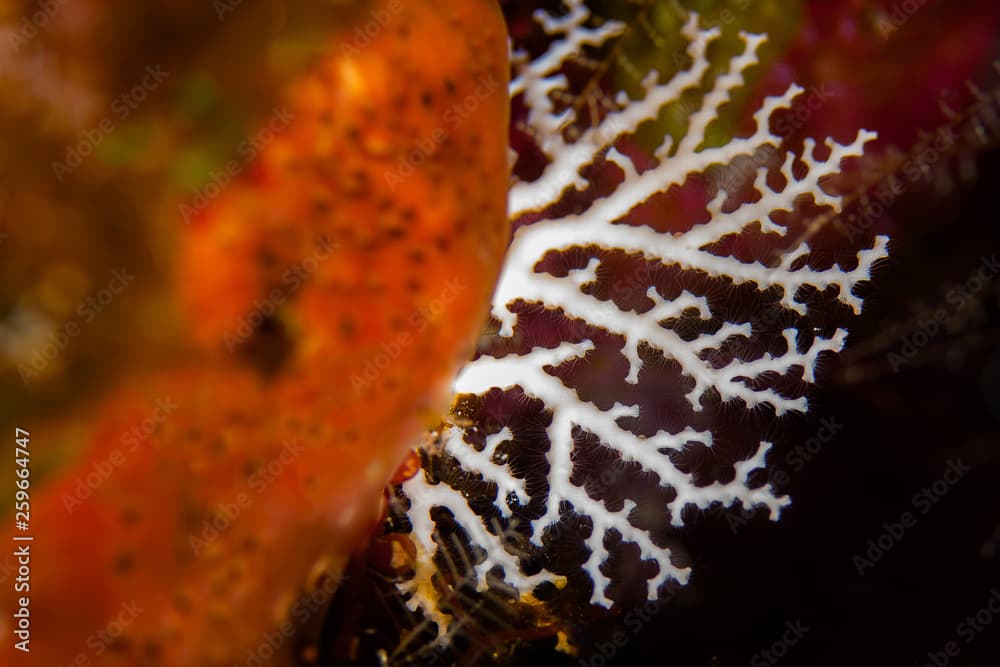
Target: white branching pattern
[602,228]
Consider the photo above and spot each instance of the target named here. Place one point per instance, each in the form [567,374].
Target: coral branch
[602,232]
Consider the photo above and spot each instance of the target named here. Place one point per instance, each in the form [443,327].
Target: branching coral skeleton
[603,227]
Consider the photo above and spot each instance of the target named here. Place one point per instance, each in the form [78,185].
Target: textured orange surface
[331,293]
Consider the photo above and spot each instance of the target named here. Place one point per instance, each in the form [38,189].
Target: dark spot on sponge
[152,652]
[268,347]
[124,562]
[347,328]
[321,207]
[130,515]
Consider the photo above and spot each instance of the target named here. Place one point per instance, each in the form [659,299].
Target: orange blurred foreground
[332,290]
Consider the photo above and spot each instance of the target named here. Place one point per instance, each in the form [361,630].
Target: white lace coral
[603,227]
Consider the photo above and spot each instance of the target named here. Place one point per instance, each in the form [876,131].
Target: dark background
[899,432]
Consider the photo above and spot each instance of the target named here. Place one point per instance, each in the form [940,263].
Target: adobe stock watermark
[426,146]
[257,483]
[100,471]
[956,298]
[305,608]
[121,108]
[966,632]
[891,20]
[779,648]
[366,32]
[87,311]
[100,641]
[390,350]
[224,8]
[30,26]
[796,459]
[735,175]
[246,152]
[922,502]
[291,280]
[915,168]
[635,620]
[466,622]
[724,16]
